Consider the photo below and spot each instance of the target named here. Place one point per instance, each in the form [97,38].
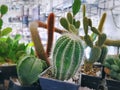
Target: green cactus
[70,18]
[94,54]
[88,40]
[84,10]
[103,55]
[64,22]
[85,25]
[67,56]
[101,39]
[28,69]
[95,30]
[77,24]
[90,22]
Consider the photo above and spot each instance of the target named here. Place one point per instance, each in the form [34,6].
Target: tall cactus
[67,56]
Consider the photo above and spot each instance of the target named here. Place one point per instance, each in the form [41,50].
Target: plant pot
[113,84]
[93,82]
[14,86]
[90,81]
[6,72]
[53,84]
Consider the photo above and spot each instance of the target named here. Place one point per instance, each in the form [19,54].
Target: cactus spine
[67,56]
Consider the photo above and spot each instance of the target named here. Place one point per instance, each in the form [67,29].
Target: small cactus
[28,69]
[67,56]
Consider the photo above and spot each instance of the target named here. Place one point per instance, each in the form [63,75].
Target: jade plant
[30,66]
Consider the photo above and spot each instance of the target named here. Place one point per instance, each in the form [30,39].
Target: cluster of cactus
[70,23]
[98,49]
[112,67]
[29,67]
[67,56]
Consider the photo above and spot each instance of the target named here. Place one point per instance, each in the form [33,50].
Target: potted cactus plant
[30,66]
[66,56]
[98,49]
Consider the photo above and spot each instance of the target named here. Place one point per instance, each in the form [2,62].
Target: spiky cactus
[67,56]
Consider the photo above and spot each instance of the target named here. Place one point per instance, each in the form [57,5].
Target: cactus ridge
[67,56]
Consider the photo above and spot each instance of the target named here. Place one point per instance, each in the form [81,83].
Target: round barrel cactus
[67,56]
[28,69]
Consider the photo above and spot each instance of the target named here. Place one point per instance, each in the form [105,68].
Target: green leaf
[1,23]
[3,9]
[76,7]
[6,31]
[17,37]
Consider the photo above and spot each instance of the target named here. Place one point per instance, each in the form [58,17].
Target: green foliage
[113,63]
[3,9]
[76,7]
[12,50]
[7,30]
[28,69]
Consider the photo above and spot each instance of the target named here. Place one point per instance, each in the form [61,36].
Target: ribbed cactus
[67,56]
[28,69]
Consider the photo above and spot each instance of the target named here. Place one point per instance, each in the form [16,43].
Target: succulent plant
[28,69]
[98,49]
[113,64]
[67,56]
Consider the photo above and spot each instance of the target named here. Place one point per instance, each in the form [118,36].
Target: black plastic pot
[6,72]
[113,84]
[90,81]
[14,86]
[53,84]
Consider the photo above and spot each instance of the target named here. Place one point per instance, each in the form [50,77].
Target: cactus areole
[67,56]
